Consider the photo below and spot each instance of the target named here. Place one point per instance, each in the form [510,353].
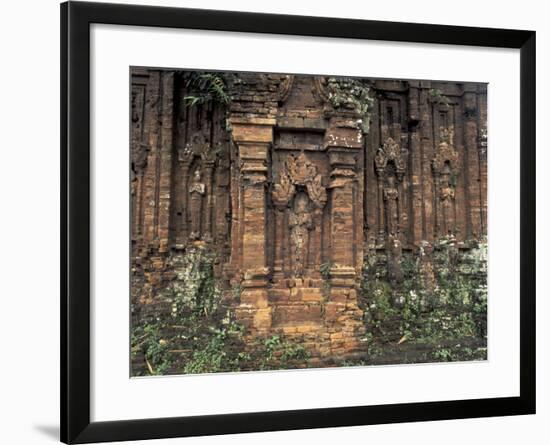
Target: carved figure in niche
[390,163]
[197,189]
[391,152]
[301,223]
[300,184]
[445,151]
[445,168]
[391,197]
[447,196]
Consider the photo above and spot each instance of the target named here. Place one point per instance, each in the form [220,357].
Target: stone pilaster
[426,147]
[472,160]
[158,175]
[185,168]
[253,138]
[343,143]
[208,170]
[415,163]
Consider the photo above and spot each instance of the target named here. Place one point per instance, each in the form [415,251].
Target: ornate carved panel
[298,170]
[391,163]
[391,151]
[299,198]
[446,167]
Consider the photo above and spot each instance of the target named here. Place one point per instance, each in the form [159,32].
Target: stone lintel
[344,139]
[353,122]
[302,123]
[252,120]
[257,274]
[254,178]
[253,151]
[342,158]
[342,272]
[252,130]
[254,284]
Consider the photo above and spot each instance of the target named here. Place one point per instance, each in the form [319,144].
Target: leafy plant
[279,352]
[195,288]
[456,310]
[271,345]
[205,88]
[209,358]
[325,270]
[438,97]
[443,355]
[351,94]
[149,341]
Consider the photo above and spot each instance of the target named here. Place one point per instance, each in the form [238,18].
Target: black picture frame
[76,18]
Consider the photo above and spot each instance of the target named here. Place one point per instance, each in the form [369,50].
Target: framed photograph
[282,222]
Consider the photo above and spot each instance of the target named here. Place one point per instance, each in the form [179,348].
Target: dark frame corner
[76,426]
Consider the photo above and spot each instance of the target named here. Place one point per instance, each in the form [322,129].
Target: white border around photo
[116,396]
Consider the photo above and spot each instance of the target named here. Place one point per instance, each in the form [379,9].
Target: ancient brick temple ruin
[292,180]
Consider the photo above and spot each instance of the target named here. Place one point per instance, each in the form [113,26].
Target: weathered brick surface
[293,180]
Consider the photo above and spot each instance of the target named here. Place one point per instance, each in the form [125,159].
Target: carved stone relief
[198,159]
[445,169]
[391,152]
[197,190]
[301,223]
[300,194]
[299,171]
[391,200]
[390,162]
[445,152]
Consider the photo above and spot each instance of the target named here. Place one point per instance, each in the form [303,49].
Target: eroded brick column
[344,144]
[415,162]
[472,160]
[158,175]
[253,138]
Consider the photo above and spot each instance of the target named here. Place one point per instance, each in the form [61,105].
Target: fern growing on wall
[206,88]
